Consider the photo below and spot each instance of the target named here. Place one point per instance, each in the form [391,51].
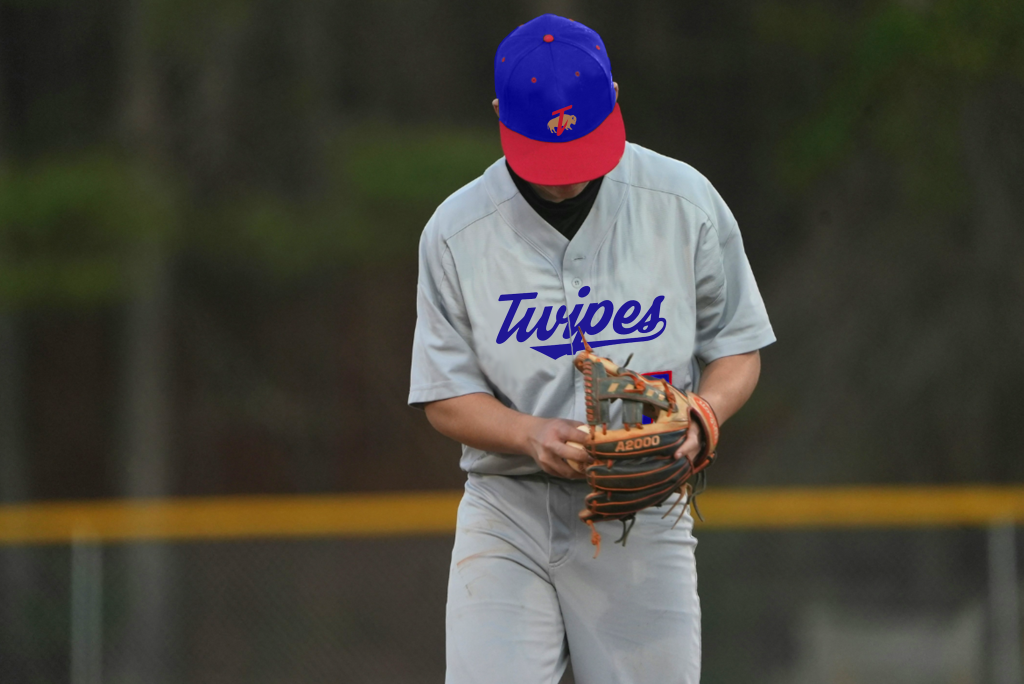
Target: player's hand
[546,444]
[691,446]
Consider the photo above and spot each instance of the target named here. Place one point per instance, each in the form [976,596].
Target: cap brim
[565,163]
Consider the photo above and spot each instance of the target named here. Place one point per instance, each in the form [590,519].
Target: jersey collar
[524,221]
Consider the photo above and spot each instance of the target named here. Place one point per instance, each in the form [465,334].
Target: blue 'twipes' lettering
[543,331]
[593,321]
[522,328]
[506,331]
[626,315]
[570,329]
[603,309]
[653,317]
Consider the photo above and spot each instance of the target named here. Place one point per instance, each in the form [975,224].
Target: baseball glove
[634,466]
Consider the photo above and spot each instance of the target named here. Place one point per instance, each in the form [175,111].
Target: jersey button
[576,282]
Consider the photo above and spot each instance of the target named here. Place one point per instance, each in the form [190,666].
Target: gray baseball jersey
[656,270]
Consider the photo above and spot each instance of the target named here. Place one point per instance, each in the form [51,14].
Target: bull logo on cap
[562,121]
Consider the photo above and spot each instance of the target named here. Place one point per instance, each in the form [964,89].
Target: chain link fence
[906,606]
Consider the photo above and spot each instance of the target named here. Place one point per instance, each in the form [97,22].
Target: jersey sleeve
[444,364]
[731,316]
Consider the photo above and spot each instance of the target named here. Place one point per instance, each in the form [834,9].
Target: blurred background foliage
[66,224]
[209,215]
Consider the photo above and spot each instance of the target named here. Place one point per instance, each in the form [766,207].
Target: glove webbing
[691,493]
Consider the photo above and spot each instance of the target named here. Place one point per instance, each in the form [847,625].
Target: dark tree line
[209,212]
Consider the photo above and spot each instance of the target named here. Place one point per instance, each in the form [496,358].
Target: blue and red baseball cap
[558,117]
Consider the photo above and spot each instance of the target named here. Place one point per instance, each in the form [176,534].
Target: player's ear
[614,85]
[495,105]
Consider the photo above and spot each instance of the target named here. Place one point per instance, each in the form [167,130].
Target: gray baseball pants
[525,593]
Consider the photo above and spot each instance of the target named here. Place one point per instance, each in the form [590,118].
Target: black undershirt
[566,216]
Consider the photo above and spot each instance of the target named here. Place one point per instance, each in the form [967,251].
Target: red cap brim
[553,163]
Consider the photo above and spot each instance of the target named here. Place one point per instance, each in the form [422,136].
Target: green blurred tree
[67,228]
[902,322]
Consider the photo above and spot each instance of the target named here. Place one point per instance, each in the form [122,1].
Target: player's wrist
[710,396]
[524,429]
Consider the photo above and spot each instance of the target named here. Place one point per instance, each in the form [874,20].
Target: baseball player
[575,230]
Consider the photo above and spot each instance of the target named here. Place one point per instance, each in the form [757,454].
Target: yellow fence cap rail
[427,513]
[862,507]
[231,517]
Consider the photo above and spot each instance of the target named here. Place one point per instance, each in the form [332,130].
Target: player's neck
[559,193]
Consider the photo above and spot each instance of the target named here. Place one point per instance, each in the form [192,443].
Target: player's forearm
[481,421]
[728,382]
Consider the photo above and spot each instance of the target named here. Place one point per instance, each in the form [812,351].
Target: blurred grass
[384,183]
[415,165]
[66,225]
